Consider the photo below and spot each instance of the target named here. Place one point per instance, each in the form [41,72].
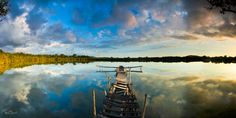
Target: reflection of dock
[120,101]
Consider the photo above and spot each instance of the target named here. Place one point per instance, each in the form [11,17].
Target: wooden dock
[120,101]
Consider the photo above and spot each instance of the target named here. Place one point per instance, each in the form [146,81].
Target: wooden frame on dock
[120,101]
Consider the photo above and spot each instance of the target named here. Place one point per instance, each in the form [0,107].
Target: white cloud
[71,37]
[54,44]
[15,32]
[131,21]
[21,94]
[20,22]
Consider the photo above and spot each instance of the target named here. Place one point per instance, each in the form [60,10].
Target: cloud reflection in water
[39,91]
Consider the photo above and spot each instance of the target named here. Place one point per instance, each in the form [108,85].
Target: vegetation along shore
[16,60]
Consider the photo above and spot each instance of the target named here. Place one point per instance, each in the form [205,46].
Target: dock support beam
[144,106]
[94,104]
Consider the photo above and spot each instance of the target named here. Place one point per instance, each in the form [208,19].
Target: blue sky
[117,28]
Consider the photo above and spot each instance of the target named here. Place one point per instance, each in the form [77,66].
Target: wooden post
[109,82]
[144,106]
[105,92]
[94,104]
[129,75]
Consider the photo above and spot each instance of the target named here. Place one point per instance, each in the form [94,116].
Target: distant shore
[61,58]
[16,60]
[170,59]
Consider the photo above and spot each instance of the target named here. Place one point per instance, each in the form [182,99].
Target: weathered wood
[120,87]
[120,102]
[94,104]
[144,106]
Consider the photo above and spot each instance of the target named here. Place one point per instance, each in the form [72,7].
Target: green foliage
[223,5]
[169,59]
[3,7]
[15,60]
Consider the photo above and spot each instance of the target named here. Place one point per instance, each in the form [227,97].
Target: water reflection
[179,90]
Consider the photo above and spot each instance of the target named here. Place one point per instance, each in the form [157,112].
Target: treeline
[16,60]
[190,58]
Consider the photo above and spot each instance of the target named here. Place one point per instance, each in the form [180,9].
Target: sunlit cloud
[93,27]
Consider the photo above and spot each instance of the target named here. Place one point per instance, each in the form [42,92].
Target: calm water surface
[175,90]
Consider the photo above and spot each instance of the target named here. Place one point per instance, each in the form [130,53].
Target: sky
[118,28]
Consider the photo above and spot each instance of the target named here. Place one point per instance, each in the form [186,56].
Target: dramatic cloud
[209,23]
[101,25]
[174,90]
[57,32]
[16,32]
[35,20]
[41,90]
[188,96]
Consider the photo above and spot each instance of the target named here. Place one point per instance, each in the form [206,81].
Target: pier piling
[144,106]
[94,104]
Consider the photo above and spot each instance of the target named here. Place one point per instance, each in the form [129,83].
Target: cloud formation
[48,91]
[188,96]
[54,90]
[15,32]
[209,23]
[110,24]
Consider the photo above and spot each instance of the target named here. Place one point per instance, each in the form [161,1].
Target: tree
[74,55]
[223,5]
[3,9]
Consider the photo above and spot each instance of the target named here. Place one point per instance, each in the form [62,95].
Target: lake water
[175,90]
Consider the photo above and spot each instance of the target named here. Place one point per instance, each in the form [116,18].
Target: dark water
[175,90]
